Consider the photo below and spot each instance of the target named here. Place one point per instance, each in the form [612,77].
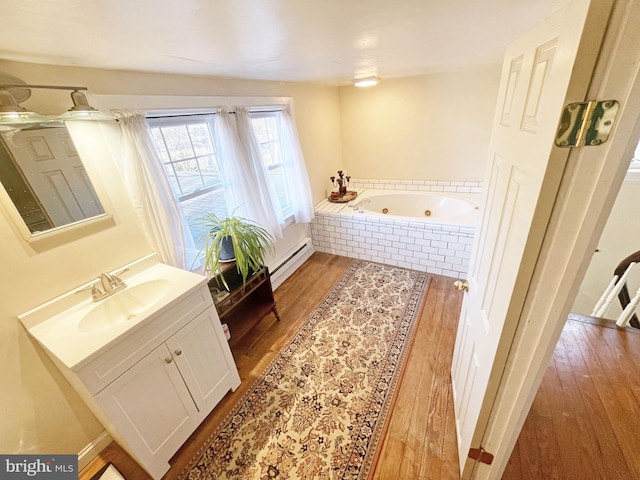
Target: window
[188,152]
[209,172]
[266,126]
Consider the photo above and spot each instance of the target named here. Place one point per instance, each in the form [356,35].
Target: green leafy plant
[250,244]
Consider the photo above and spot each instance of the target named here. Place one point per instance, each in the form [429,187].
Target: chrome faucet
[107,281]
[110,283]
[358,206]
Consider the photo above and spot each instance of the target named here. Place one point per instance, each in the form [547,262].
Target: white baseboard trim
[93,449]
[294,258]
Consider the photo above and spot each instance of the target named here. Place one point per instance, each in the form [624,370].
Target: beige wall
[431,127]
[40,411]
[619,239]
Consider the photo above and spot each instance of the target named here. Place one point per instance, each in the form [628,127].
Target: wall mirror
[45,179]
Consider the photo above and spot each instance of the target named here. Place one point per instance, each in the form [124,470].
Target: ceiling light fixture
[366,81]
[12,114]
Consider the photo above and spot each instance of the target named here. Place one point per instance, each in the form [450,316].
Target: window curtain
[246,191]
[295,168]
[153,200]
[256,161]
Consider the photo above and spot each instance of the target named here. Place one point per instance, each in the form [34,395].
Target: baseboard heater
[291,263]
[289,258]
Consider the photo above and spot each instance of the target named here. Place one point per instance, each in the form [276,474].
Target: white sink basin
[74,329]
[124,305]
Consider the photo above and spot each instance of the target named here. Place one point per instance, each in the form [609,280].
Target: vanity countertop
[60,324]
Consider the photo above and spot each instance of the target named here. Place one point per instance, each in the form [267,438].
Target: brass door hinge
[586,123]
[481,455]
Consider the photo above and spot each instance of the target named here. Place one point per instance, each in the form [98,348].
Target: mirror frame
[58,235]
[40,241]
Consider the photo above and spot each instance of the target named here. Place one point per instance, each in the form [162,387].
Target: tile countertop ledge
[55,324]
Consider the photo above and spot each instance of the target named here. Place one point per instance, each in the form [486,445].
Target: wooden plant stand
[246,305]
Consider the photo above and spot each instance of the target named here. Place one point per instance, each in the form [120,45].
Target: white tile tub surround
[429,247]
[417,185]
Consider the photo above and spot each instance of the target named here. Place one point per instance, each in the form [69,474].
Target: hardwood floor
[419,442]
[585,418]
[583,424]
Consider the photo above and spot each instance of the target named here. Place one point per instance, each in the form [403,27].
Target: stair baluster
[629,310]
[602,311]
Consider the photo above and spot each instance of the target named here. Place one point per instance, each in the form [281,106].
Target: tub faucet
[358,206]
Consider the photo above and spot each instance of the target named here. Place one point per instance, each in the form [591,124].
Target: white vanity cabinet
[157,403]
[152,376]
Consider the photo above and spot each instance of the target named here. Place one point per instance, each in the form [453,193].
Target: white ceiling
[322,41]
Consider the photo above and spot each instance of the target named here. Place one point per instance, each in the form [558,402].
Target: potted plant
[236,239]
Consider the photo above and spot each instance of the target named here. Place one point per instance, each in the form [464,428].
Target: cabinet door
[150,407]
[203,356]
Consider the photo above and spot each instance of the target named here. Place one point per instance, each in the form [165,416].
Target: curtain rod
[274,110]
[183,115]
[5,86]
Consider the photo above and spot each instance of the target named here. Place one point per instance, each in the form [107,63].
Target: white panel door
[521,175]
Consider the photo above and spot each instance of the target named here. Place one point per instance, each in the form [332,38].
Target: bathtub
[416,206]
[426,231]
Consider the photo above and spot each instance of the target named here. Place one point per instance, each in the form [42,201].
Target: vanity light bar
[12,114]
[5,86]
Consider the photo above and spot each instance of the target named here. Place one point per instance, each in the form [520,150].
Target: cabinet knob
[168,359]
[178,352]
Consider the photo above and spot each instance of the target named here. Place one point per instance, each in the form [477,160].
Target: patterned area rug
[319,409]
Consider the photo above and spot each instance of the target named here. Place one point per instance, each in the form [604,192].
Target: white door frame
[589,186]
